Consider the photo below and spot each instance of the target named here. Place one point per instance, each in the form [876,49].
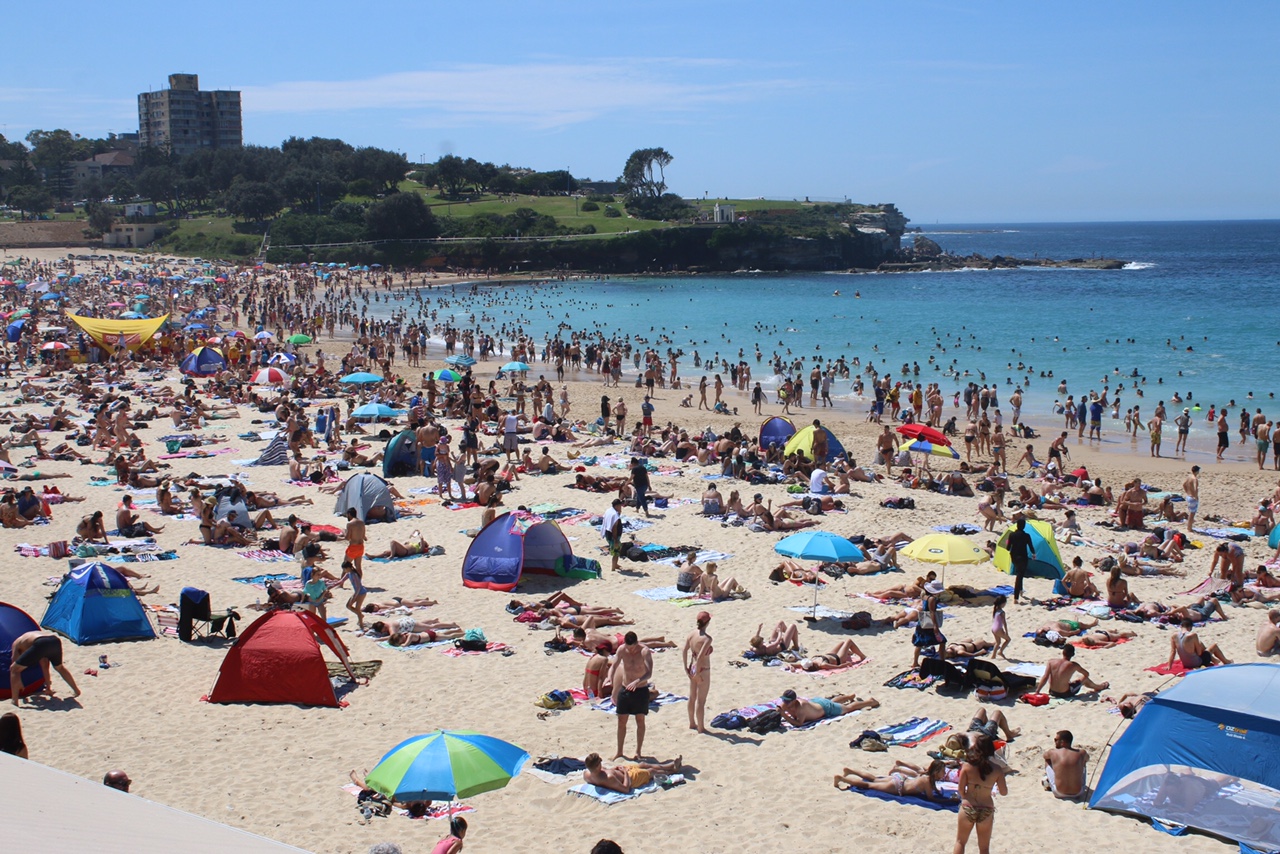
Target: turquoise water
[1190,312]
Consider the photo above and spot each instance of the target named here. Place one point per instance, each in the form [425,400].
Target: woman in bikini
[415,546]
[904,591]
[408,625]
[841,655]
[785,638]
[1104,638]
[596,673]
[978,776]
[968,647]
[709,586]
[896,783]
[789,570]
[1118,595]
[397,602]
[697,665]
[92,529]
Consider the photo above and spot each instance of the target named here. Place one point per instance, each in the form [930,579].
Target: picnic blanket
[664,699]
[267,556]
[395,559]
[1225,533]
[912,732]
[555,769]
[950,805]
[1166,669]
[608,797]
[386,644]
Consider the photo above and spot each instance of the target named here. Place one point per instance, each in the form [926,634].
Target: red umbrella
[923,432]
[270,376]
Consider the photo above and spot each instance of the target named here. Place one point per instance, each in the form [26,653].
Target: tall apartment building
[184,119]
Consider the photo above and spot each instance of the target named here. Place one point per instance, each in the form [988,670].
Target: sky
[958,112]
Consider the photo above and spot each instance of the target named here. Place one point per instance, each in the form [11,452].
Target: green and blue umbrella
[447,375]
[444,765]
[460,360]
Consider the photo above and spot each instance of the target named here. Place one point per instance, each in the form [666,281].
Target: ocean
[1187,313]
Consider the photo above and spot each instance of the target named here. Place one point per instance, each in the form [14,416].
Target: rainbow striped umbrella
[930,449]
[444,765]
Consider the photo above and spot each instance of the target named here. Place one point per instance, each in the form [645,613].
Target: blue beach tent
[13,331]
[15,622]
[400,457]
[203,362]
[518,542]
[96,604]
[776,431]
[1205,754]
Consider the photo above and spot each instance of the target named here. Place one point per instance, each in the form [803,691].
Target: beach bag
[475,635]
[728,720]
[59,549]
[173,446]
[1036,699]
[769,720]
[469,645]
[660,503]
[991,693]
[555,700]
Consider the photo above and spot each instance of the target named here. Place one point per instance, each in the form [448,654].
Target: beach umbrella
[361,378]
[55,345]
[930,449]
[51,296]
[512,367]
[115,305]
[195,327]
[14,330]
[447,375]
[446,765]
[460,360]
[299,339]
[819,545]
[22,312]
[944,549]
[376,410]
[214,340]
[270,376]
[923,432]
[282,359]
[263,335]
[132,315]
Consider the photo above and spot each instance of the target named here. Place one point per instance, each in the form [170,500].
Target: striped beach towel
[912,732]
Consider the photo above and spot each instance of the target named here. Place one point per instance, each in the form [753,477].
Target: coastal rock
[926,248]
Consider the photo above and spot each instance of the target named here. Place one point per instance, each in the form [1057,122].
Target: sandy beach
[279,770]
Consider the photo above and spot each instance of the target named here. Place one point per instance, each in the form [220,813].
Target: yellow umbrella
[944,549]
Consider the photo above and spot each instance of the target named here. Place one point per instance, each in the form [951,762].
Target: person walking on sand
[697,664]
[1191,489]
[632,670]
[978,776]
[1021,550]
[355,541]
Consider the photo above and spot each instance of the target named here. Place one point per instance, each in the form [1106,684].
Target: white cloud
[540,94]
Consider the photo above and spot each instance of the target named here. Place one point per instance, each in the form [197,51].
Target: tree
[403,216]
[12,150]
[101,217]
[638,174]
[451,171]
[53,152]
[257,201]
[160,184]
[30,199]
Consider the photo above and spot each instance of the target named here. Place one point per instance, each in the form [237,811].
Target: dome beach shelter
[95,604]
[1204,753]
[278,659]
[518,542]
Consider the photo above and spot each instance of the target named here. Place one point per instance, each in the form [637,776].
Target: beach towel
[1166,669]
[663,699]
[822,674]
[267,556]
[1080,644]
[937,806]
[396,559]
[962,528]
[492,646]
[1209,585]
[749,712]
[386,644]
[147,557]
[608,797]
[912,679]
[1240,534]
[822,612]
[661,594]
[1026,668]
[912,732]
[261,580]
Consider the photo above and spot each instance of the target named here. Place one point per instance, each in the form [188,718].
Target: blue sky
[957,111]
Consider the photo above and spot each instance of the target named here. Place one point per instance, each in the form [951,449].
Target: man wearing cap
[1021,551]
[1183,423]
[630,675]
[799,711]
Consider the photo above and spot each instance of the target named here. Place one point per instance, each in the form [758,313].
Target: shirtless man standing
[1064,767]
[355,541]
[1058,673]
[1191,489]
[1269,634]
[1183,423]
[887,449]
[632,670]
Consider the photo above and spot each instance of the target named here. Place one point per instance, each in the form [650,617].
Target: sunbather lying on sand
[896,783]
[799,711]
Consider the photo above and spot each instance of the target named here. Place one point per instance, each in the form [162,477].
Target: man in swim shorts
[358,591]
[355,540]
[626,778]
[1065,767]
[632,670]
[799,711]
[37,649]
[1058,673]
[1191,489]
